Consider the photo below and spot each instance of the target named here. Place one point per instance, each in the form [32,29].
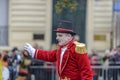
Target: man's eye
[59,35]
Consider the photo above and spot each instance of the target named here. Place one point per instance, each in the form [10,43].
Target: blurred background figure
[23,70]
[77,38]
[5,70]
[15,58]
[115,61]
[36,46]
[0,66]
[105,60]
[0,56]
[95,61]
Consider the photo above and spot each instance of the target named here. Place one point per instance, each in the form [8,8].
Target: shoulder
[80,48]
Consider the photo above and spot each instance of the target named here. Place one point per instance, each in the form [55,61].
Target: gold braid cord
[65,78]
[80,48]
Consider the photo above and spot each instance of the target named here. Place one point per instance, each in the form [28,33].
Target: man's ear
[69,35]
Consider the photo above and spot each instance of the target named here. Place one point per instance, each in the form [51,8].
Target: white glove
[30,49]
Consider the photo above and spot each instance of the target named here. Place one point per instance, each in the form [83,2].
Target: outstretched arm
[40,54]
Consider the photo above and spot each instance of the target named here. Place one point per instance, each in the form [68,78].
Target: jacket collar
[67,53]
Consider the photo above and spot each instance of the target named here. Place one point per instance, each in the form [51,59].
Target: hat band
[61,29]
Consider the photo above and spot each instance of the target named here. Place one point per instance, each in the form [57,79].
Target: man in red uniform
[71,56]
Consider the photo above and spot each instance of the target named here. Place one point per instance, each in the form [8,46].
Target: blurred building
[99,24]
[31,21]
[116,21]
[103,24]
[27,21]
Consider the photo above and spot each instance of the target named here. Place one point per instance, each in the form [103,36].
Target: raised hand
[29,49]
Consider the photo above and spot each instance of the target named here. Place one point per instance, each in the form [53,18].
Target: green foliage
[68,4]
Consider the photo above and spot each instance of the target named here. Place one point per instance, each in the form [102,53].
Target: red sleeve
[84,66]
[46,55]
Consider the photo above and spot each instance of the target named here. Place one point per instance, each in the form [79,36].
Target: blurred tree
[68,4]
[71,10]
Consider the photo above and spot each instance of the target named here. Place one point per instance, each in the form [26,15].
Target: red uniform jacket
[75,63]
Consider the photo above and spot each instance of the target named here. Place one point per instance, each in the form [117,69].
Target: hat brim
[65,31]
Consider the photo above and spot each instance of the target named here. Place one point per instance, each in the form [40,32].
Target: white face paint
[63,38]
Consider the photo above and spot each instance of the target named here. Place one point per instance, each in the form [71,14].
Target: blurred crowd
[15,65]
[110,59]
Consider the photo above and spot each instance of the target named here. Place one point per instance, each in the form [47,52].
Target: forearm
[45,55]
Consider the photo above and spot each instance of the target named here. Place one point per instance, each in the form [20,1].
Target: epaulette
[80,48]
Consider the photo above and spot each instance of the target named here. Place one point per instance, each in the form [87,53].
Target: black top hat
[65,27]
